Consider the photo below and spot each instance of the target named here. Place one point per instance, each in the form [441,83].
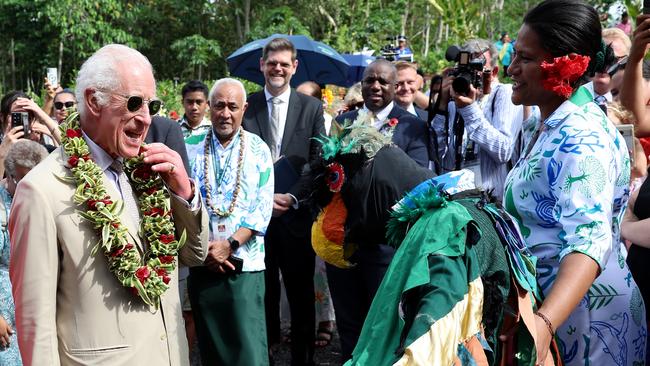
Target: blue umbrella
[317,61]
[358,63]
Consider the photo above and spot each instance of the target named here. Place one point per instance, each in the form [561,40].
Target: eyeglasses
[59,105]
[134,103]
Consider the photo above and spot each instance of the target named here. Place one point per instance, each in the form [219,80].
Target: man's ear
[495,71]
[92,105]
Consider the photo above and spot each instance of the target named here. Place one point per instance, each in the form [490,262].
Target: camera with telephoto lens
[468,71]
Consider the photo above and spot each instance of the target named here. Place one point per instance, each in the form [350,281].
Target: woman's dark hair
[9,99]
[571,26]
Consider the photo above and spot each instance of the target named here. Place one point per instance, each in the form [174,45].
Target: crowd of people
[129,238]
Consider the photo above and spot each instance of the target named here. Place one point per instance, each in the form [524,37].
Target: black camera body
[388,52]
[21,119]
[468,71]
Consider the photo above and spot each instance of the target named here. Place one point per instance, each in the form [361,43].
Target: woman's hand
[641,39]
[5,333]
[544,338]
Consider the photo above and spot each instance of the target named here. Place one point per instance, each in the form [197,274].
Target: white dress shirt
[283,109]
[379,118]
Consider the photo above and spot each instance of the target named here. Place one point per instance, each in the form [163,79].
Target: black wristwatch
[234,243]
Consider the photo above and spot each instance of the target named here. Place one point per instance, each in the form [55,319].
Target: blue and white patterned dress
[8,356]
[569,194]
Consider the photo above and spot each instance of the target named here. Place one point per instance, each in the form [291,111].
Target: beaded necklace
[206,171]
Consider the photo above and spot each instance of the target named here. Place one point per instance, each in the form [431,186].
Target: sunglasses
[134,103]
[620,65]
[59,105]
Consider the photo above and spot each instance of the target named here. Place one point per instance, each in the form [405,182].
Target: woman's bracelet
[549,325]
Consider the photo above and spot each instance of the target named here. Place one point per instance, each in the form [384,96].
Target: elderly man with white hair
[234,170]
[94,243]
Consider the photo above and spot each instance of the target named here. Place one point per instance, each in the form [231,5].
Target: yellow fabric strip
[438,346]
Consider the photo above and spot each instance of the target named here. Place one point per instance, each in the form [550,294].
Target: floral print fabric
[569,193]
[8,356]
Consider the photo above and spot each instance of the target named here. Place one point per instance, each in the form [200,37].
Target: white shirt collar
[284,97]
[101,157]
[382,114]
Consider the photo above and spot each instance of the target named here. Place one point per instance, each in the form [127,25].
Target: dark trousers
[295,258]
[354,289]
[229,317]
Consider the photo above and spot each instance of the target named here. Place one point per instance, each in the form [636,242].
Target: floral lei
[562,72]
[148,277]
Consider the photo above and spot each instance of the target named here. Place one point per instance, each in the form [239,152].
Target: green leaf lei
[147,277]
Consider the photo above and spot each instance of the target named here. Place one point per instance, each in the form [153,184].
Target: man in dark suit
[408,86]
[353,289]
[169,133]
[378,90]
[287,121]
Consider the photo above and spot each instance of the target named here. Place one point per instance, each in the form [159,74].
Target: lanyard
[220,172]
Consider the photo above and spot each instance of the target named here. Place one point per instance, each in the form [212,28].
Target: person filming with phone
[21,117]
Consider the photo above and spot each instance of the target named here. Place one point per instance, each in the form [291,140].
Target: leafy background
[190,39]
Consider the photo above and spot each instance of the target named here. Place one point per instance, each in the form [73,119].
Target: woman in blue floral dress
[9,356]
[569,191]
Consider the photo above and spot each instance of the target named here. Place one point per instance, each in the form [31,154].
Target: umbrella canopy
[317,61]
[358,63]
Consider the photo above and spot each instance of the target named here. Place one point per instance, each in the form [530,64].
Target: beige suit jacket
[70,309]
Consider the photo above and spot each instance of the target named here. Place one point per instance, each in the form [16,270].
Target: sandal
[324,334]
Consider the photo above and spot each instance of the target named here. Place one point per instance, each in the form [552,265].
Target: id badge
[220,228]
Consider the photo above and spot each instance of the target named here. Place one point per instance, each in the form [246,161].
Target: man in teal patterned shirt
[234,170]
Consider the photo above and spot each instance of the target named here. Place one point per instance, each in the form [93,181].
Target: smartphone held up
[21,119]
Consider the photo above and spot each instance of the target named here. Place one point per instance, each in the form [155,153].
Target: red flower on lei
[335,177]
[562,72]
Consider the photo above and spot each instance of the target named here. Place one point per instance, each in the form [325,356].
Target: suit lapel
[262,116]
[293,113]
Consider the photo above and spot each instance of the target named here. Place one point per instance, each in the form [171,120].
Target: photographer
[484,132]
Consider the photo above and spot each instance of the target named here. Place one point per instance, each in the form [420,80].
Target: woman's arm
[576,274]
[633,91]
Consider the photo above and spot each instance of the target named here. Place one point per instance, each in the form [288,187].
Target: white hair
[100,72]
[227,81]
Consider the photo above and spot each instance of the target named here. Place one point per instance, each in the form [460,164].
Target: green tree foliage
[191,39]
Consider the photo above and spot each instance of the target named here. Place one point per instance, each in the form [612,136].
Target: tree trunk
[200,72]
[440,30]
[13,65]
[405,17]
[247,17]
[427,32]
[240,36]
[60,65]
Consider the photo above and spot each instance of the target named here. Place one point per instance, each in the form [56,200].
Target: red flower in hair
[562,72]
[174,115]
[335,177]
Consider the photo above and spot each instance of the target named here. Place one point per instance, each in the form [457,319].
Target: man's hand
[11,136]
[218,253]
[463,101]
[282,202]
[170,166]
